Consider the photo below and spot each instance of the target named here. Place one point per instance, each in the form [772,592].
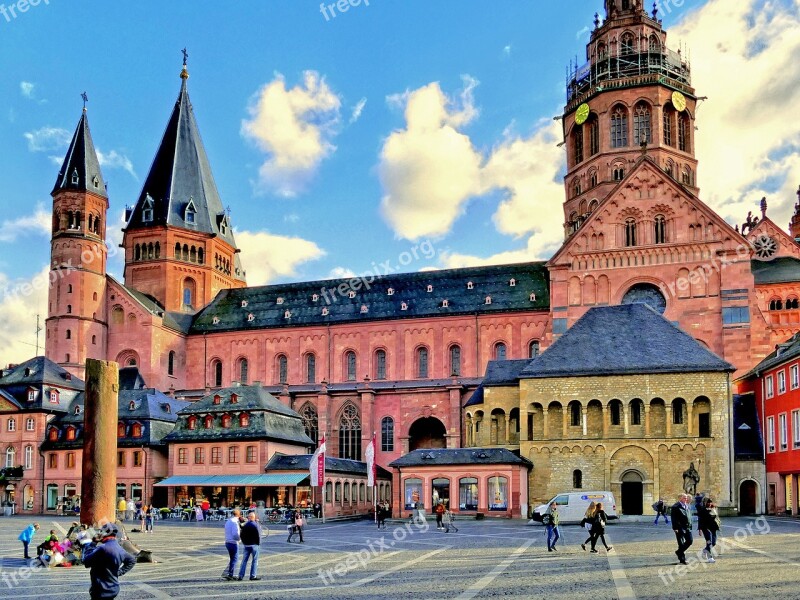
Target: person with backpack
[551,520]
[661,511]
[599,528]
[708,524]
[588,518]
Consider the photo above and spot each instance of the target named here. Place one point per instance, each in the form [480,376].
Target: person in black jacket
[108,562]
[251,540]
[598,530]
[682,526]
[708,524]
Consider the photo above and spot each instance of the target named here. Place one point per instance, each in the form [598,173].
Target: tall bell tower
[632,96]
[76,323]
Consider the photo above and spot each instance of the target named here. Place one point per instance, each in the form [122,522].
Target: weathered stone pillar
[99,482]
[647,420]
[545,423]
[689,417]
[508,430]
[669,419]
[625,419]
[605,420]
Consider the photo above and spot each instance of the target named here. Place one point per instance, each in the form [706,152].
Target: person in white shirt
[130,511]
[233,536]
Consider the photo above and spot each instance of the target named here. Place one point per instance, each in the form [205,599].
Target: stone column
[545,423]
[564,423]
[523,426]
[101,413]
[584,419]
[625,424]
[508,430]
[605,420]
[689,417]
[647,420]
[669,419]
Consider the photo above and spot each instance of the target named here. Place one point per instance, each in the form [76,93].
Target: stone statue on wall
[691,478]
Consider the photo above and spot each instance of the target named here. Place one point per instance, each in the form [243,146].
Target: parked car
[572,506]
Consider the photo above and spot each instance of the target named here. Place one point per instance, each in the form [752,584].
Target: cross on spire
[85,99]
[185,56]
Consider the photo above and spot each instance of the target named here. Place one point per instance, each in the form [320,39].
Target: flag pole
[374,495]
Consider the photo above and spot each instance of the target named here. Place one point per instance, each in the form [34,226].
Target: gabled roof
[179,322]
[499,373]
[784,269]
[180,174]
[766,226]
[40,371]
[627,339]
[783,353]
[80,171]
[372,299]
[301,462]
[460,456]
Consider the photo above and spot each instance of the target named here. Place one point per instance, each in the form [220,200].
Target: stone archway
[632,491]
[748,497]
[427,432]
[632,468]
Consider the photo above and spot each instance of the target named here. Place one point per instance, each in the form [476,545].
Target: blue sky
[329,190]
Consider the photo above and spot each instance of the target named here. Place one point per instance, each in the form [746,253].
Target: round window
[646,293]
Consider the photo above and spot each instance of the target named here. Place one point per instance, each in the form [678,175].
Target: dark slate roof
[408,288]
[81,160]
[155,411]
[747,442]
[788,350]
[40,375]
[181,174]
[269,419]
[179,322]
[499,373]
[460,456]
[476,398]
[785,269]
[300,462]
[131,379]
[618,340]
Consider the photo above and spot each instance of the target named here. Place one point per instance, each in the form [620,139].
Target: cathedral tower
[76,323]
[179,244]
[632,96]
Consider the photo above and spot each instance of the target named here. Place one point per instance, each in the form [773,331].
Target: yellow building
[623,401]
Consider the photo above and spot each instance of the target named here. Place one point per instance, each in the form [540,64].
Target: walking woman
[588,519]
[599,527]
[708,524]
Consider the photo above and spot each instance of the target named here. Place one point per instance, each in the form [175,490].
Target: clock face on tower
[765,246]
[582,114]
[678,101]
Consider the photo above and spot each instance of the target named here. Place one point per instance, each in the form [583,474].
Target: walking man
[553,532]
[232,538]
[108,562]
[251,540]
[27,535]
[682,526]
[661,511]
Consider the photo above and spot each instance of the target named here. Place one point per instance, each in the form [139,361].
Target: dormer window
[315,297]
[325,311]
[244,303]
[351,294]
[244,420]
[31,395]
[390,292]
[445,303]
[120,430]
[512,283]
[208,421]
[54,396]
[132,405]
[533,297]
[136,430]
[226,421]
[147,210]
[279,301]
[215,321]
[470,285]
[488,300]
[251,317]
[287,314]
[77,410]
[167,408]
[403,306]
[234,399]
[75,177]
[191,422]
[95,181]
[217,399]
[52,435]
[189,214]
[364,309]
[430,288]
[70,434]
[27,371]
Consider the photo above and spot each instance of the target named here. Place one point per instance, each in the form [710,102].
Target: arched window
[310,421]
[422,363]
[776,304]
[660,233]
[499,351]
[642,129]
[380,364]
[533,349]
[615,412]
[120,430]
[619,173]
[577,144]
[226,421]
[619,127]
[654,44]
[669,119]
[94,340]
[208,421]
[52,435]
[178,251]
[69,334]
[216,373]
[577,479]
[678,409]
[593,126]
[243,365]
[575,414]
[792,303]
[387,434]
[686,176]
[627,44]
[136,430]
[191,422]
[28,457]
[350,365]
[171,363]
[630,232]
[683,133]
[244,420]
[10,456]
[455,360]
[158,250]
[637,408]
[283,368]
[311,368]
[350,433]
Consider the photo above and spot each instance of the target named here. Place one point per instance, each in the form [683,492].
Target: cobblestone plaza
[759,558]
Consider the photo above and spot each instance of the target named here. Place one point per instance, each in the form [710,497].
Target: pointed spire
[80,171]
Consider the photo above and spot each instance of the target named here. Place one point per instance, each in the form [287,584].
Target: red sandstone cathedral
[401,356]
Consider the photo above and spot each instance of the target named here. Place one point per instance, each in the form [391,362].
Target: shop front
[237,491]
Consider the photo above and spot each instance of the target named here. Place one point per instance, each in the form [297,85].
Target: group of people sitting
[54,552]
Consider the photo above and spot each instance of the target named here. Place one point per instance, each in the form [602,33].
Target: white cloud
[48,139]
[20,301]
[431,170]
[745,59]
[357,110]
[38,223]
[341,273]
[294,128]
[291,218]
[266,256]
[507,50]
[27,89]
[115,160]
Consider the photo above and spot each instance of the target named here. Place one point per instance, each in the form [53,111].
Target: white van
[572,506]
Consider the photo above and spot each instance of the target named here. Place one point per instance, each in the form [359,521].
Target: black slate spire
[80,171]
[179,190]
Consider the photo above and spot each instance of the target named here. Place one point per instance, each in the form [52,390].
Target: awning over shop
[276,479]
